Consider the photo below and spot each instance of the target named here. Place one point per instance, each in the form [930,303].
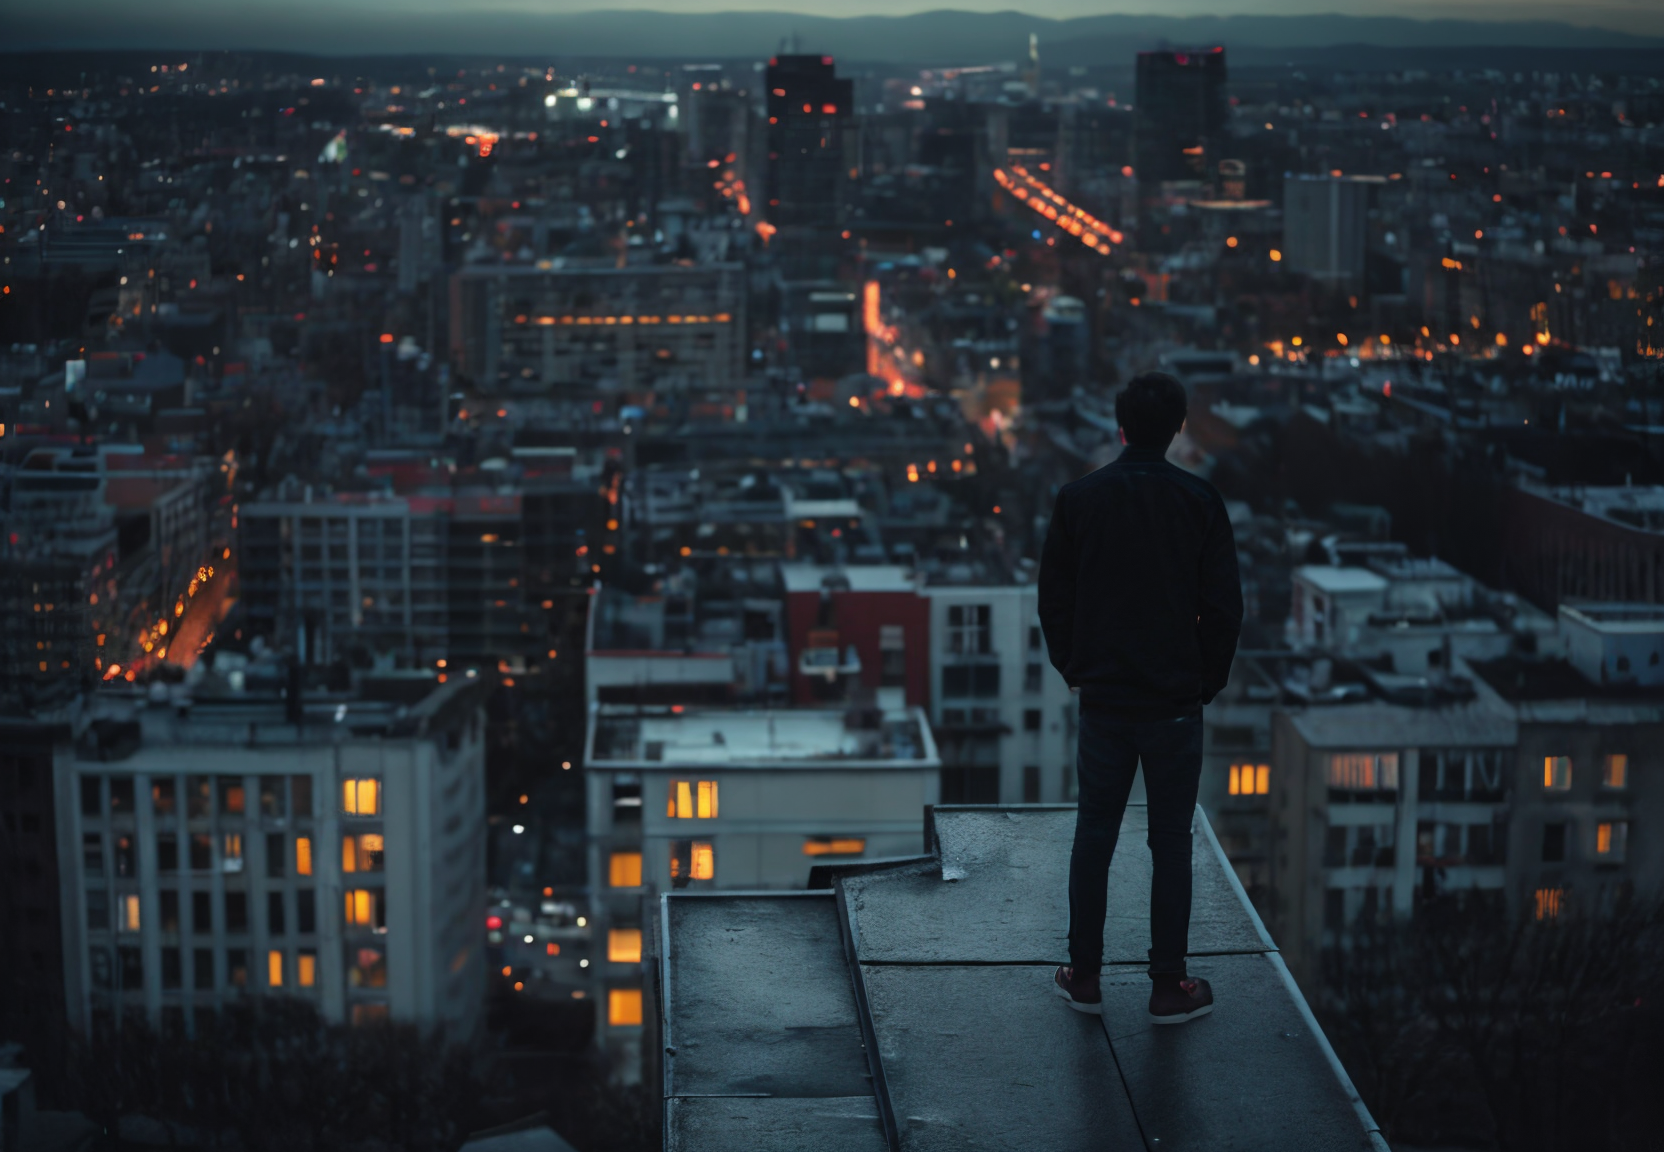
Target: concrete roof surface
[1377,726]
[909,1008]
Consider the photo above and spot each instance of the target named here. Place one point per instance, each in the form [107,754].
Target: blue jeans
[1110,752]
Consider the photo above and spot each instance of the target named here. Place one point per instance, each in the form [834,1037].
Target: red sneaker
[1080,991]
[1175,1001]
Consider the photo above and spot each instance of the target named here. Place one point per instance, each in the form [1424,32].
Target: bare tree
[1526,1034]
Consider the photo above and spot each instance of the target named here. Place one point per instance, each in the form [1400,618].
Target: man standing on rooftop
[1142,606]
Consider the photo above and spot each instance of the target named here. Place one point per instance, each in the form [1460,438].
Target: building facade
[617,334]
[690,798]
[225,851]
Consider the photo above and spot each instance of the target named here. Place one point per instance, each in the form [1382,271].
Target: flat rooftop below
[745,738]
[908,1007]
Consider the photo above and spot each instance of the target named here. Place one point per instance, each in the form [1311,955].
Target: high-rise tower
[1181,115]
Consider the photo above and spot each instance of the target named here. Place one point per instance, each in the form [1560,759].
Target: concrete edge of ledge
[849,933]
[1372,1130]
[828,875]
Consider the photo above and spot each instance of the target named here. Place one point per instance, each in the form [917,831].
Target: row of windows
[1557,772]
[364,908]
[360,852]
[1611,841]
[366,967]
[1460,775]
[696,859]
[278,797]
[234,908]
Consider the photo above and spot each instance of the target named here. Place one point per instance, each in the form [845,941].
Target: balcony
[829,664]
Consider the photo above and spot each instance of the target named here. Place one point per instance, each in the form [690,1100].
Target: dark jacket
[1139,594]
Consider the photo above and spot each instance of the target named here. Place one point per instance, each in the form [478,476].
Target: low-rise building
[704,798]
[332,850]
[1521,780]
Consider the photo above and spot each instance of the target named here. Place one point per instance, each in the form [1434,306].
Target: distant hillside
[940,37]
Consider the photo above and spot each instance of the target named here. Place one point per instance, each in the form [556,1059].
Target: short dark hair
[1151,409]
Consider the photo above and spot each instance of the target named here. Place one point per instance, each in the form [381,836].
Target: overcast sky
[85,21]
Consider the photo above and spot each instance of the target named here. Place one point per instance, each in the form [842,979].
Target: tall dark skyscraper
[1181,114]
[808,107]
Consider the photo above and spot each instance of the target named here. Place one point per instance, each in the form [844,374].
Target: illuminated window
[1557,773]
[1611,837]
[130,913]
[361,853]
[691,860]
[624,945]
[623,1007]
[691,799]
[361,797]
[834,846]
[231,796]
[1615,771]
[624,870]
[274,968]
[366,967]
[303,855]
[1362,772]
[365,908]
[1250,779]
[306,969]
[1549,901]
[231,852]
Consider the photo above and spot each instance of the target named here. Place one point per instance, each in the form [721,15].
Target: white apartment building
[221,850]
[1421,614]
[691,797]
[1005,719]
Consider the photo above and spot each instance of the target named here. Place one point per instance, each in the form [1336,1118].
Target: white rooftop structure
[738,739]
[855,577]
[1615,643]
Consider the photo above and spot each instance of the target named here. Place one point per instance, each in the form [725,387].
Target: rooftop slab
[762,1003]
[984,1057]
[1001,895]
[928,982]
[1253,1075]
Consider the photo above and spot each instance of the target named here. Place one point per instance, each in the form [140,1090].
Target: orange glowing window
[361,797]
[692,800]
[362,853]
[303,855]
[834,846]
[1250,779]
[624,945]
[1549,902]
[306,969]
[364,908]
[274,968]
[1557,773]
[624,870]
[623,1007]
[1611,838]
[704,862]
[1615,771]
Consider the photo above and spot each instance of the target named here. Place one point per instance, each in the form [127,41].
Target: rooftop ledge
[906,1005]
